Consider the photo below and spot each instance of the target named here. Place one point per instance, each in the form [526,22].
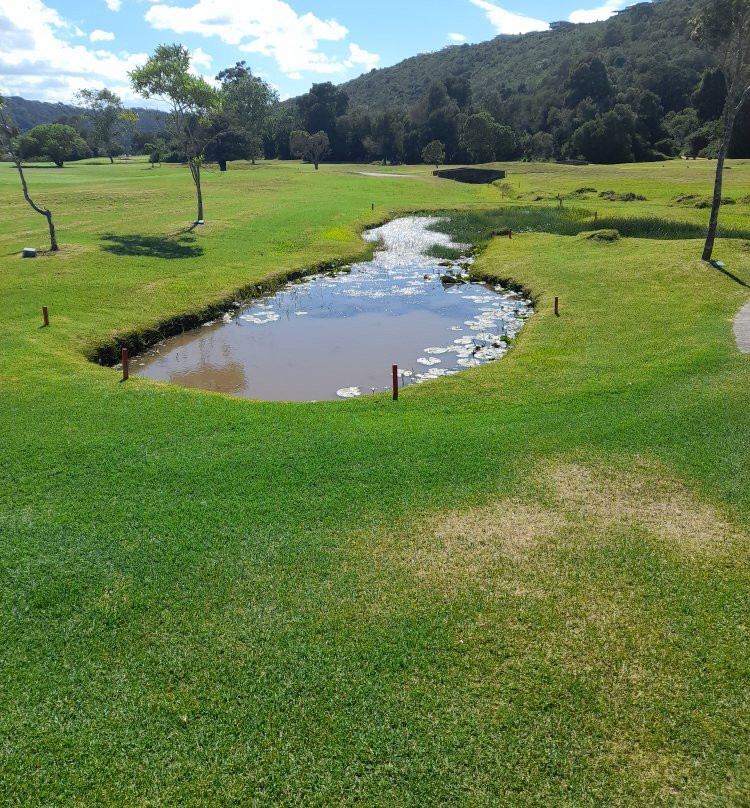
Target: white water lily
[349,392]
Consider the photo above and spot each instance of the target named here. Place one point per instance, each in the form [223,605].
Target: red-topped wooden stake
[45,316]
[395,382]
[125,365]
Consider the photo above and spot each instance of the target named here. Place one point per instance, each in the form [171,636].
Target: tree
[321,108]
[606,139]
[478,137]
[55,142]
[155,150]
[228,142]
[434,152]
[9,142]
[724,26]
[388,135]
[166,75]
[312,148]
[541,146]
[710,96]
[104,111]
[505,142]
[588,79]
[247,104]
[277,131]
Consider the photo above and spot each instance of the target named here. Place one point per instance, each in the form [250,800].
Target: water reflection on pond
[337,335]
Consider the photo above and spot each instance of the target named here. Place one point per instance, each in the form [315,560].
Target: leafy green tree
[320,109]
[479,135]
[710,96]
[10,144]
[541,146]
[588,79]
[281,122]
[608,138]
[156,149]
[434,153]
[312,148]
[166,75]
[506,143]
[228,142]
[247,105]
[388,132]
[724,26]
[55,142]
[105,113]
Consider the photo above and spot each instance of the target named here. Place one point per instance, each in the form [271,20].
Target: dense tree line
[632,88]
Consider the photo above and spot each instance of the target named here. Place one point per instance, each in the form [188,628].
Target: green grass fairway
[524,585]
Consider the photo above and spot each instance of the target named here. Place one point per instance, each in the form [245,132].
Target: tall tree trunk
[42,211]
[195,170]
[713,221]
[111,158]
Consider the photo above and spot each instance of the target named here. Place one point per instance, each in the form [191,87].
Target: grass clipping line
[464,547]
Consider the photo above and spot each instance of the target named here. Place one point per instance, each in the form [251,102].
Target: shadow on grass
[139,246]
[730,275]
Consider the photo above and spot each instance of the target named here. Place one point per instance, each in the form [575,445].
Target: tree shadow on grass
[139,246]
[730,275]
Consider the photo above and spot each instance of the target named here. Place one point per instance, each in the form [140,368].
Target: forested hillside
[28,114]
[646,46]
[631,88]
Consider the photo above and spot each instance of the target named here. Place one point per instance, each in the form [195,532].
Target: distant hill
[646,46]
[28,114]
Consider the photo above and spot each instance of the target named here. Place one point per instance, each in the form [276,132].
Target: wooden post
[510,232]
[125,365]
[395,382]
[45,316]
[373,206]
[557,307]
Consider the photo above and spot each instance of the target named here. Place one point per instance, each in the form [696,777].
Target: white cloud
[603,12]
[199,58]
[506,22]
[38,58]
[267,27]
[358,56]
[457,37]
[114,5]
[101,36]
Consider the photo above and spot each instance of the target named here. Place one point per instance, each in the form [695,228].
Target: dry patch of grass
[466,546]
[586,504]
[645,498]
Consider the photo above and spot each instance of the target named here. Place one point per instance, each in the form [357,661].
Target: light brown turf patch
[465,545]
[644,498]
[485,545]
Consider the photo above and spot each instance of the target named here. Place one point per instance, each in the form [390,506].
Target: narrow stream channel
[337,335]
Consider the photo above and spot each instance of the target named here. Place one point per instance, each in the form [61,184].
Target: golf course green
[527,584]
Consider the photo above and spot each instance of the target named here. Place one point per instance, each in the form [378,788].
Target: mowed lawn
[524,585]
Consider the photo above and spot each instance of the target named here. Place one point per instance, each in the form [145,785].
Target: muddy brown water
[338,336]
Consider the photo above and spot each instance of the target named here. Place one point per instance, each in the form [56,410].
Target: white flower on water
[349,392]
[423,360]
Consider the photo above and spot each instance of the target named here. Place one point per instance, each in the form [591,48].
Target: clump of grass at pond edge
[478,227]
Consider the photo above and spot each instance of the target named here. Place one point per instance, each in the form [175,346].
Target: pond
[337,335]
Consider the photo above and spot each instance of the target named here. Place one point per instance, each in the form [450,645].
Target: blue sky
[51,48]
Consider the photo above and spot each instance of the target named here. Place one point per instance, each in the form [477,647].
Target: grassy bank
[526,584]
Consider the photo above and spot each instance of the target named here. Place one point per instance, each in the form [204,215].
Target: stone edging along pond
[141,340]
